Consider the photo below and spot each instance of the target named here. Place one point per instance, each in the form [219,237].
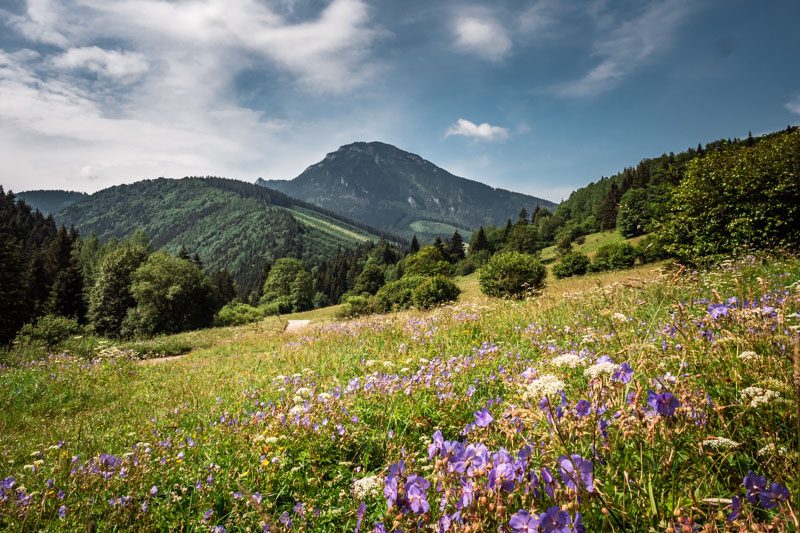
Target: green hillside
[226,222]
[49,202]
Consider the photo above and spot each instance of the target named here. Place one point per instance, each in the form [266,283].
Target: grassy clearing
[331,226]
[593,242]
[256,428]
[426,226]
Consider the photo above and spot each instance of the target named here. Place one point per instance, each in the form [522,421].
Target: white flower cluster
[758,396]
[304,392]
[619,317]
[600,368]
[719,443]
[367,487]
[749,356]
[571,360]
[771,449]
[544,386]
[296,410]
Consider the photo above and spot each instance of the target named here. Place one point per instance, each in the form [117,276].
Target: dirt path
[296,325]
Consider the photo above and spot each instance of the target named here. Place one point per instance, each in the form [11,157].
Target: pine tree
[523,217]
[414,248]
[479,242]
[456,248]
[607,214]
[13,280]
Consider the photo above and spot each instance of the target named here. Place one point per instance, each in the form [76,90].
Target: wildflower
[208,514]
[361,509]
[771,448]
[257,498]
[523,522]
[759,396]
[583,408]
[483,418]
[770,499]
[574,469]
[749,356]
[417,499]
[754,485]
[736,506]
[62,511]
[623,374]
[578,526]
[366,487]
[570,360]
[595,370]
[544,386]
[219,529]
[664,403]
[153,491]
[619,317]
[304,392]
[555,521]
[719,443]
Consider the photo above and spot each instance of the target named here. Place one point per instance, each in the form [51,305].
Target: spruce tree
[414,248]
[456,248]
[479,242]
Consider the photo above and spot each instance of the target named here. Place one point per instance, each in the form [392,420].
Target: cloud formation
[793,105]
[111,63]
[481,35]
[481,132]
[630,45]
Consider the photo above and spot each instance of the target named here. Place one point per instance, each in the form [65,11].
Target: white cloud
[483,132]
[111,63]
[482,35]
[629,46]
[182,117]
[793,105]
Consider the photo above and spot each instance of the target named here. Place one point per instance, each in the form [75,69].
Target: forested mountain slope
[48,201]
[228,223]
[402,193]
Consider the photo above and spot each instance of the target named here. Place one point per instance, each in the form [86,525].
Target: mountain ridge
[401,192]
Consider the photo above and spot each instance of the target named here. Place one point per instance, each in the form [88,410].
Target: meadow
[653,399]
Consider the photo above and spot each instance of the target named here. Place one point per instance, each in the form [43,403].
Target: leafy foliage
[736,200]
[397,294]
[428,262]
[572,264]
[434,291]
[616,256]
[511,275]
[237,314]
[49,331]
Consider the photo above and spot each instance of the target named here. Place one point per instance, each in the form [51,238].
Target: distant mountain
[229,223]
[50,201]
[402,193]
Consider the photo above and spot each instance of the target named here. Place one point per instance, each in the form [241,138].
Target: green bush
[397,294]
[511,275]
[650,250]
[278,306]
[617,256]
[355,306]
[237,314]
[435,291]
[572,264]
[428,262]
[49,331]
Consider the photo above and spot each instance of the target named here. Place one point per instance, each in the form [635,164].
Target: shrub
[397,294]
[49,331]
[428,262]
[435,291]
[511,275]
[279,306]
[618,256]
[236,314]
[650,250]
[370,280]
[355,306]
[572,264]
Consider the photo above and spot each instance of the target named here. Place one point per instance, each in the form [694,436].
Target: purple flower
[467,494]
[583,408]
[578,526]
[483,418]
[379,528]
[664,403]
[502,475]
[523,522]
[436,446]
[576,470]
[153,491]
[549,482]
[736,506]
[257,498]
[298,508]
[361,509]
[417,499]
[555,521]
[207,514]
[390,490]
[62,511]
[219,529]
[773,496]
[285,520]
[754,484]
[623,374]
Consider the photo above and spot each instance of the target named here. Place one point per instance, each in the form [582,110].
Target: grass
[590,246]
[242,426]
[426,226]
[331,226]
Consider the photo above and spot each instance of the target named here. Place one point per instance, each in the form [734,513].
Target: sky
[539,97]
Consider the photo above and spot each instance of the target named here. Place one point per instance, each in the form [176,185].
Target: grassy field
[592,243]
[662,390]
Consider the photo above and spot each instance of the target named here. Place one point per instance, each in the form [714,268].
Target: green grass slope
[259,428]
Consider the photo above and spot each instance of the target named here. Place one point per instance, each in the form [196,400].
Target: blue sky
[540,97]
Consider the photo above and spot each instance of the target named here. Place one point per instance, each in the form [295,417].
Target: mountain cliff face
[402,193]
